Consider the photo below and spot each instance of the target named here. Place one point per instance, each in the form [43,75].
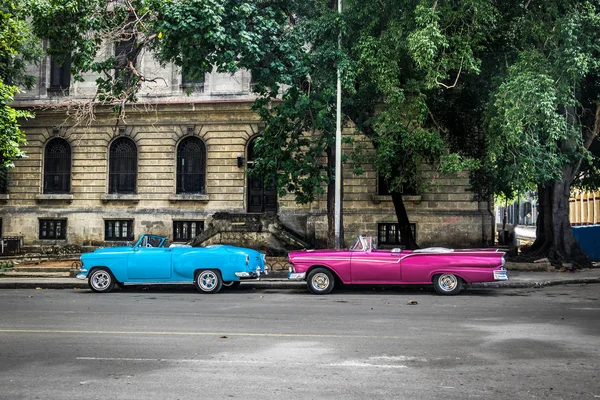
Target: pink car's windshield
[363,243]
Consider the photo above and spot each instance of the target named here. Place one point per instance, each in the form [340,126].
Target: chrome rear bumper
[500,275]
[296,276]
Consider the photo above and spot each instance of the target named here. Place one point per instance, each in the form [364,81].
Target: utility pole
[338,150]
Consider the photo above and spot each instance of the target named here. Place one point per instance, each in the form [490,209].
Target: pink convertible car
[446,269]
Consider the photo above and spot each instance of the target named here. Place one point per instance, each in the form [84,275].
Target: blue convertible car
[149,262]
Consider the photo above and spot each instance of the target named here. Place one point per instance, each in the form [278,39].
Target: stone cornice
[54,197]
[120,197]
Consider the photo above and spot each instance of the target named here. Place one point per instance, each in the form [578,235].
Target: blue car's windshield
[151,241]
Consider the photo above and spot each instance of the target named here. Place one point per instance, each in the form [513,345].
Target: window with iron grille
[122,166]
[389,233]
[57,166]
[186,230]
[121,229]
[60,74]
[384,189]
[53,229]
[191,166]
[124,52]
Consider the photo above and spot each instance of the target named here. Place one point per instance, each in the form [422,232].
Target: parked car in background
[150,262]
[447,269]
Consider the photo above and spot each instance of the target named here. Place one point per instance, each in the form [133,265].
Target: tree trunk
[554,236]
[406,235]
[331,202]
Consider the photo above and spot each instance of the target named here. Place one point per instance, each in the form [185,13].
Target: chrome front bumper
[500,275]
[248,275]
[82,274]
[296,276]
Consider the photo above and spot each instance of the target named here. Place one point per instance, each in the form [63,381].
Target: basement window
[184,231]
[119,230]
[389,234]
[53,229]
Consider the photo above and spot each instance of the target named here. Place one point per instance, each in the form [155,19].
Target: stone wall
[219,114]
[444,214]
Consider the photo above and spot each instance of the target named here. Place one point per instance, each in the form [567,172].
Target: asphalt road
[288,344]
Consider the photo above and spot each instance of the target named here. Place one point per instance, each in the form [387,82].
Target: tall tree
[544,111]
[394,56]
[404,54]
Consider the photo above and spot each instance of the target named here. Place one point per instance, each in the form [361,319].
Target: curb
[534,284]
[284,284]
[42,285]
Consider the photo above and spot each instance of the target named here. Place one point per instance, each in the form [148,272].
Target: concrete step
[38,268]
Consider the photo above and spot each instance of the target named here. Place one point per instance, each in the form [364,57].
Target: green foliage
[394,57]
[538,115]
[193,34]
[84,31]
[404,53]
[17,48]
[504,88]
[10,134]
[75,28]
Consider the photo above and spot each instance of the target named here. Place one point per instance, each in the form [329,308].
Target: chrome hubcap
[320,281]
[448,282]
[207,280]
[100,280]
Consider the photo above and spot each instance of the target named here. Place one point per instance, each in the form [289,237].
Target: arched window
[191,166]
[57,166]
[122,166]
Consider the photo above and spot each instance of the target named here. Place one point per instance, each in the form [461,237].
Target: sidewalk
[278,280]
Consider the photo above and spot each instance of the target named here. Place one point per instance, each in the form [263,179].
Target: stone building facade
[180,156]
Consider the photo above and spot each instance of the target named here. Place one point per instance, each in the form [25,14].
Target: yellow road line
[164,333]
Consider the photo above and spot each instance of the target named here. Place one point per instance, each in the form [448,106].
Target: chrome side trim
[245,274]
